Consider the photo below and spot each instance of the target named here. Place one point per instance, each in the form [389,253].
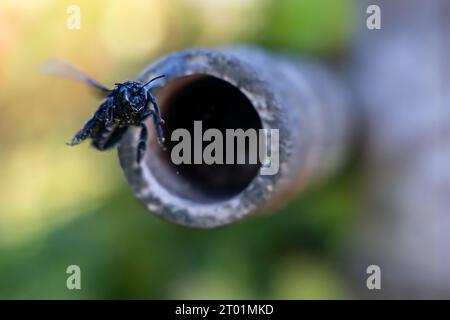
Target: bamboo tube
[248,88]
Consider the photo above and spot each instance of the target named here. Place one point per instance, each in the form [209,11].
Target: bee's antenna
[156,78]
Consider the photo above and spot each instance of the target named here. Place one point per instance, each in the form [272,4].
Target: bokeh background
[61,206]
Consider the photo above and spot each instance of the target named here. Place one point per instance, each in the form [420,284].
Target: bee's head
[132,94]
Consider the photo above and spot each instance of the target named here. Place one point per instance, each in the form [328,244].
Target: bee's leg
[147,113]
[159,129]
[85,131]
[157,119]
[142,145]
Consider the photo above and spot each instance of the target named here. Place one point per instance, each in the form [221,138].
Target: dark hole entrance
[219,105]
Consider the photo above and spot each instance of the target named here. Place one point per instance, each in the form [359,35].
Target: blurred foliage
[320,27]
[61,206]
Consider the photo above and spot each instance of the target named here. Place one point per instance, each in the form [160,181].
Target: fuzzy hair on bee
[127,104]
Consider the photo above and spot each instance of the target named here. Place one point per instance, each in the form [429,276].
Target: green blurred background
[61,206]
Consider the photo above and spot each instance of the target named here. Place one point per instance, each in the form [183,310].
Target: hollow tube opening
[218,105]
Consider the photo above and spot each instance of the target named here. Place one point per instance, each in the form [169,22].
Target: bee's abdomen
[107,137]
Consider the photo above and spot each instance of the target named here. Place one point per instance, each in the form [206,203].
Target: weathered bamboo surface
[303,100]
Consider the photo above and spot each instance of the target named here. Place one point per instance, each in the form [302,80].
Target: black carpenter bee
[127,104]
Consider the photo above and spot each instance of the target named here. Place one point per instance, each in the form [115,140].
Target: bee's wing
[64,69]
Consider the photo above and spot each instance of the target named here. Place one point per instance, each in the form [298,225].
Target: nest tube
[239,88]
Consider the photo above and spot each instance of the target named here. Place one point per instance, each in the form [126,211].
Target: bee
[127,104]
